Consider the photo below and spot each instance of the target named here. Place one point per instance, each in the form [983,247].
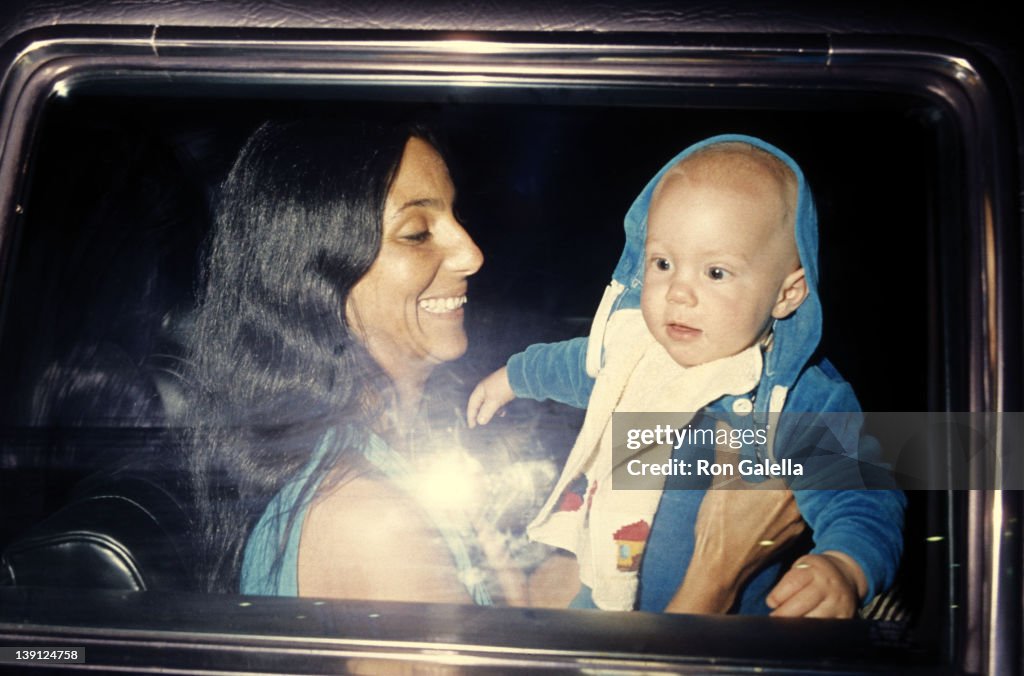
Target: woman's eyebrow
[430,202]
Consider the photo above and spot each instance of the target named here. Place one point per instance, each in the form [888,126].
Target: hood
[796,337]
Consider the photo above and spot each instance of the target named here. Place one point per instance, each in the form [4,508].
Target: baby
[721,253]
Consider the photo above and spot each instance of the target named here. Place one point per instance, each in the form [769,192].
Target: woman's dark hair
[273,360]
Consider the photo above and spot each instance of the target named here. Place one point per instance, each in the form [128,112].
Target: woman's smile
[444,306]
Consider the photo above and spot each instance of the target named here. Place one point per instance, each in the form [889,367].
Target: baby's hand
[488,396]
[830,584]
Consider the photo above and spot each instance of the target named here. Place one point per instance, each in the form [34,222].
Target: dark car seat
[126,530]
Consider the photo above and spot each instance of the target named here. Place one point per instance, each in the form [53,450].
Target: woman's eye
[717,273]
[417,237]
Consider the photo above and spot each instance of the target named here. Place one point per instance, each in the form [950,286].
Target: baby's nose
[681,292]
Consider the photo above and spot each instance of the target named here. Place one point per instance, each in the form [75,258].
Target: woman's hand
[488,397]
[830,584]
[738,530]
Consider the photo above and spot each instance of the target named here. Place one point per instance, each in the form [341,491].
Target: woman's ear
[791,294]
[352,317]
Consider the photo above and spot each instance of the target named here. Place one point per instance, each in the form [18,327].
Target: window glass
[106,271]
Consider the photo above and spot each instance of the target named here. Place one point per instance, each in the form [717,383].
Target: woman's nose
[463,255]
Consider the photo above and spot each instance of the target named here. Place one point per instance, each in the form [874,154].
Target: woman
[336,279]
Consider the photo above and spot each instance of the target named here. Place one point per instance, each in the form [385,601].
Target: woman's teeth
[441,305]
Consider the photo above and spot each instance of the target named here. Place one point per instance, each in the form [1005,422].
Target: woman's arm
[740,526]
[366,539]
[555,582]
[737,531]
[552,584]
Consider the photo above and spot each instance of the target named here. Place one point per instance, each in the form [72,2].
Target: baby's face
[719,265]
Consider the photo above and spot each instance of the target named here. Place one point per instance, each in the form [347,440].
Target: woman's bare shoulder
[367,539]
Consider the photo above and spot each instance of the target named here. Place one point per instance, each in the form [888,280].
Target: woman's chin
[452,349]
[444,335]
[445,344]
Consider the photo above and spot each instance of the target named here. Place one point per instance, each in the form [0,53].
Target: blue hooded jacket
[866,525]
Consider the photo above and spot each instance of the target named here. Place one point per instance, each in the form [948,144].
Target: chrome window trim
[46,62]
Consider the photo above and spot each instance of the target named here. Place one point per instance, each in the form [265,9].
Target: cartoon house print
[630,541]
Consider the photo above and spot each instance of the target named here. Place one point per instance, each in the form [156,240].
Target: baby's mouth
[438,306]
[678,331]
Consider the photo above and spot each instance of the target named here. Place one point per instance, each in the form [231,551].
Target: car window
[106,268]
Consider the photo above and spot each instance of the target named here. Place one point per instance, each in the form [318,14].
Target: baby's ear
[791,294]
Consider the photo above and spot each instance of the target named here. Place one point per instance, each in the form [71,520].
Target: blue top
[866,525]
[269,570]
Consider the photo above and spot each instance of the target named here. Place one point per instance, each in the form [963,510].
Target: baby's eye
[661,264]
[717,273]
